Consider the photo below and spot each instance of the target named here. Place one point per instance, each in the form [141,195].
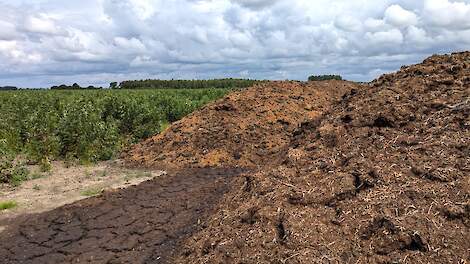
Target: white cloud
[444,13]
[374,25]
[389,37]
[144,8]
[7,46]
[348,23]
[70,41]
[400,17]
[417,35]
[15,54]
[8,31]
[132,44]
[41,24]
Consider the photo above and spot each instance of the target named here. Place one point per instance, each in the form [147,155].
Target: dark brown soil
[384,177]
[141,224]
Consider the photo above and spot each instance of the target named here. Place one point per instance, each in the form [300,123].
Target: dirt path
[64,185]
[140,224]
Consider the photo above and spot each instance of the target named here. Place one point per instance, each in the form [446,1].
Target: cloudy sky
[94,42]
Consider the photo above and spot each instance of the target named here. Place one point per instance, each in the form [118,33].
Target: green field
[88,126]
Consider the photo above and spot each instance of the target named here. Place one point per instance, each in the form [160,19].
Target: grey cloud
[255,4]
[49,42]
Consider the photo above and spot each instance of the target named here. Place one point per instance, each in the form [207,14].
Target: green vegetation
[11,171]
[7,205]
[86,126]
[74,86]
[185,84]
[324,78]
[91,191]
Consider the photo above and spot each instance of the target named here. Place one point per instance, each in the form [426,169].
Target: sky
[95,42]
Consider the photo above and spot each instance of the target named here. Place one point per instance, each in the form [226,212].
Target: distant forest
[184,84]
[74,86]
[8,88]
[324,78]
[228,83]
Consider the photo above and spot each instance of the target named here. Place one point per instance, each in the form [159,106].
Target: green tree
[113,85]
[324,78]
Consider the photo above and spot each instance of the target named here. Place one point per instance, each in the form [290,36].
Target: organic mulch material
[383,177]
[248,128]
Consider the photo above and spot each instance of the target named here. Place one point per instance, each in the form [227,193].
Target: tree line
[8,88]
[227,83]
[74,86]
[184,84]
[324,78]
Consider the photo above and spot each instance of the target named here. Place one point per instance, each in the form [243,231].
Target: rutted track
[141,224]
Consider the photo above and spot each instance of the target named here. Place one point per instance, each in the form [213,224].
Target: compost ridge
[383,177]
[250,128]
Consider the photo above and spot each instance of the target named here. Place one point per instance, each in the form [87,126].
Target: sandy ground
[64,185]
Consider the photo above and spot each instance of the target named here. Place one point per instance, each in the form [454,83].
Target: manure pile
[288,172]
[249,129]
[382,177]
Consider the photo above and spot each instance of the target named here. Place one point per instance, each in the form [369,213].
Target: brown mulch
[383,177]
[250,128]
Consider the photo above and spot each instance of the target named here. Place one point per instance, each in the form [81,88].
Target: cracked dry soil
[140,224]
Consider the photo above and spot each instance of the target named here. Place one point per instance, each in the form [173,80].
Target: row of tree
[177,84]
[74,86]
[8,88]
[184,84]
[324,78]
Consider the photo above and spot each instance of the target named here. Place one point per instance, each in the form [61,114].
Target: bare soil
[338,172]
[67,184]
[139,224]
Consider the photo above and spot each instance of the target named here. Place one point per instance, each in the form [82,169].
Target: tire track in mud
[141,224]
